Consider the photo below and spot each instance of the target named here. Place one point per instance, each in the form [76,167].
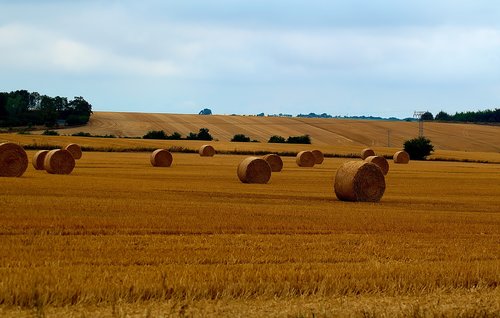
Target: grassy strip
[178,149]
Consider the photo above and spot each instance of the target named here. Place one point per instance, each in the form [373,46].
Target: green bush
[203,134]
[175,136]
[82,134]
[240,138]
[277,139]
[418,148]
[155,134]
[50,133]
[305,139]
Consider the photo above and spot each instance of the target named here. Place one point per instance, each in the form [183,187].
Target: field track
[324,132]
[118,237]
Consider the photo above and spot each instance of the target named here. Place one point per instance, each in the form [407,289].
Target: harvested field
[330,131]
[192,240]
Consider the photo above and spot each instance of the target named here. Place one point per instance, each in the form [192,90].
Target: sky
[384,58]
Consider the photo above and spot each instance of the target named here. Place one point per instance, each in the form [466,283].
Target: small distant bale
[75,150]
[367,152]
[274,161]
[161,158]
[401,157]
[359,181]
[13,160]
[38,159]
[59,161]
[305,159]
[381,162]
[254,170]
[207,151]
[318,156]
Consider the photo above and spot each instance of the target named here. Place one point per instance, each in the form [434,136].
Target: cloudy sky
[358,57]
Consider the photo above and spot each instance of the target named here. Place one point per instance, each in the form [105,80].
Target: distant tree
[50,133]
[205,111]
[240,138]
[277,139]
[174,136]
[155,134]
[442,116]
[418,148]
[203,134]
[24,108]
[48,111]
[427,116]
[260,114]
[304,139]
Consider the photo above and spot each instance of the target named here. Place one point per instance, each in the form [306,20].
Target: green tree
[427,116]
[277,139]
[155,134]
[203,134]
[240,138]
[304,139]
[205,111]
[418,148]
[443,116]
[174,136]
[48,111]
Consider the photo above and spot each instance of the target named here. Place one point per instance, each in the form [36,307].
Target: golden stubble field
[120,238]
[323,131]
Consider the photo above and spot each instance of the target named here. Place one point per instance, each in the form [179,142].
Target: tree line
[480,116]
[23,108]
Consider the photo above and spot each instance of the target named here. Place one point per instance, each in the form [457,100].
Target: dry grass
[193,240]
[324,132]
[119,144]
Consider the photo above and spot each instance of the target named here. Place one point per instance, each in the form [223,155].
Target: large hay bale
[401,157]
[381,162]
[305,159]
[161,158]
[274,162]
[75,150]
[13,160]
[38,159]
[254,170]
[318,156]
[59,161]
[207,151]
[359,181]
[367,152]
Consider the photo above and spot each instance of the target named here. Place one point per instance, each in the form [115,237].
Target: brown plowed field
[334,132]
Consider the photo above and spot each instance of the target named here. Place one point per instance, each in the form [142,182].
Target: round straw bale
[13,160]
[379,161]
[75,150]
[161,158]
[207,151]
[318,156]
[305,159]
[254,170]
[38,159]
[401,157]
[367,152]
[274,161]
[359,181]
[59,161]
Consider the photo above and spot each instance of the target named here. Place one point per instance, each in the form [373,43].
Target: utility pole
[418,114]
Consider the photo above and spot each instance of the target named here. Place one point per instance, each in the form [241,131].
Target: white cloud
[32,49]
